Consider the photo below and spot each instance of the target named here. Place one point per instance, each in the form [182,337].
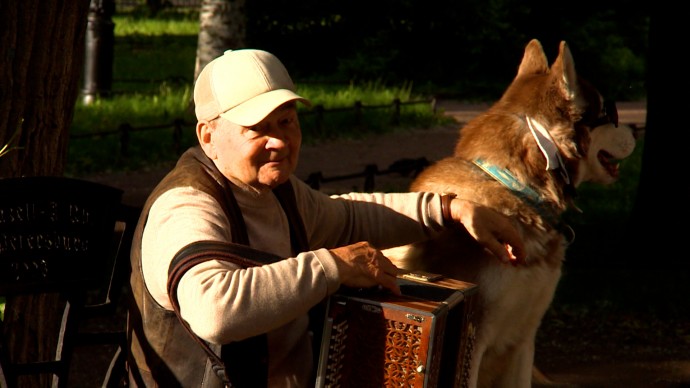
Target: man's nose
[276,139]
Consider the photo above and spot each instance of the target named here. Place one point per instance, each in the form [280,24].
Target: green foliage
[377,113]
[459,48]
[142,63]
[153,69]
[102,153]
[164,24]
[453,49]
[146,147]
[469,49]
[370,93]
[339,55]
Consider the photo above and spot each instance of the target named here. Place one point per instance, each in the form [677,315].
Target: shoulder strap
[202,251]
[244,256]
[298,233]
[298,237]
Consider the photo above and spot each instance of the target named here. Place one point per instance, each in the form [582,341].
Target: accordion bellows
[423,338]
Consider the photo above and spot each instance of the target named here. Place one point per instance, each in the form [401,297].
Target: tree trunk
[42,52]
[660,224]
[222,26]
[42,46]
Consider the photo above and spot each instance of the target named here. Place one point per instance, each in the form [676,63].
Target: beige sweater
[223,303]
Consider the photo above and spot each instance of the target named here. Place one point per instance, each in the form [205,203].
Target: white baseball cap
[243,86]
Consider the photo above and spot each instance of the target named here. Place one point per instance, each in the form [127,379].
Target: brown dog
[523,157]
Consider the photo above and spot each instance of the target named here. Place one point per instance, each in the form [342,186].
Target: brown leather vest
[161,352]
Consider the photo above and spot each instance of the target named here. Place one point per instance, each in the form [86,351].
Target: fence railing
[403,167]
[120,4]
[125,130]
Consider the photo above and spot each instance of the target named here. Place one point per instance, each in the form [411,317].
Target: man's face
[262,156]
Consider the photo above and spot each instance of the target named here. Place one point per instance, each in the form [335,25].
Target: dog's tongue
[611,166]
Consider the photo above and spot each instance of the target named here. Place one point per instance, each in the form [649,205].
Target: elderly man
[232,250]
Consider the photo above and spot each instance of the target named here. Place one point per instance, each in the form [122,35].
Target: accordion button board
[422,338]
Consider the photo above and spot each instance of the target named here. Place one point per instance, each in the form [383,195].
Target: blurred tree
[457,48]
[660,217]
[222,26]
[155,6]
[42,46]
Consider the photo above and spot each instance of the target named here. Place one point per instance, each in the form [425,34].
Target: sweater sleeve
[220,301]
[224,303]
[384,219]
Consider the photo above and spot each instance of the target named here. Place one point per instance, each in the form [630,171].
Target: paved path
[628,112]
[349,156]
[345,157]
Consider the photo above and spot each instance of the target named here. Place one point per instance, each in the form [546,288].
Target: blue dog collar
[508,180]
[523,191]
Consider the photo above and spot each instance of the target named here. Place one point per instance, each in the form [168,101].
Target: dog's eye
[611,112]
[608,115]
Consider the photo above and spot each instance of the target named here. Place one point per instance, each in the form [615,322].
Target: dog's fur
[512,300]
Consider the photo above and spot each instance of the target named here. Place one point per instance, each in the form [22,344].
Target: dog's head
[602,141]
[552,129]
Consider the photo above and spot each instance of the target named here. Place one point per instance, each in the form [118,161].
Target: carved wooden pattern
[379,340]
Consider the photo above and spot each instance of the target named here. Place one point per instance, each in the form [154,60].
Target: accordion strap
[202,251]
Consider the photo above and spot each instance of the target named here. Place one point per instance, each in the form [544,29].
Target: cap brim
[252,111]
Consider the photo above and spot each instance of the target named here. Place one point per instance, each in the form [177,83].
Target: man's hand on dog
[491,229]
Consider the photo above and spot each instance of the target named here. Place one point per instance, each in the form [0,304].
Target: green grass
[168,23]
[152,77]
[153,72]
[105,116]
[152,86]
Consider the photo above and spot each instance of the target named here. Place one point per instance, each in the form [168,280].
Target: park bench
[64,259]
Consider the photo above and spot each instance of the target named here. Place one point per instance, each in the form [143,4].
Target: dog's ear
[534,60]
[563,69]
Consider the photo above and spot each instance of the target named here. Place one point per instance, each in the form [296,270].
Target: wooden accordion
[424,338]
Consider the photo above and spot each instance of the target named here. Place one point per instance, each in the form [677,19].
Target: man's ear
[204,130]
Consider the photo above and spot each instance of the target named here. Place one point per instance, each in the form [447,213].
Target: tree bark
[42,46]
[222,26]
[41,59]
[660,217]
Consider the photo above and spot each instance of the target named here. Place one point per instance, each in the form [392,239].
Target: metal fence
[121,4]
[124,130]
